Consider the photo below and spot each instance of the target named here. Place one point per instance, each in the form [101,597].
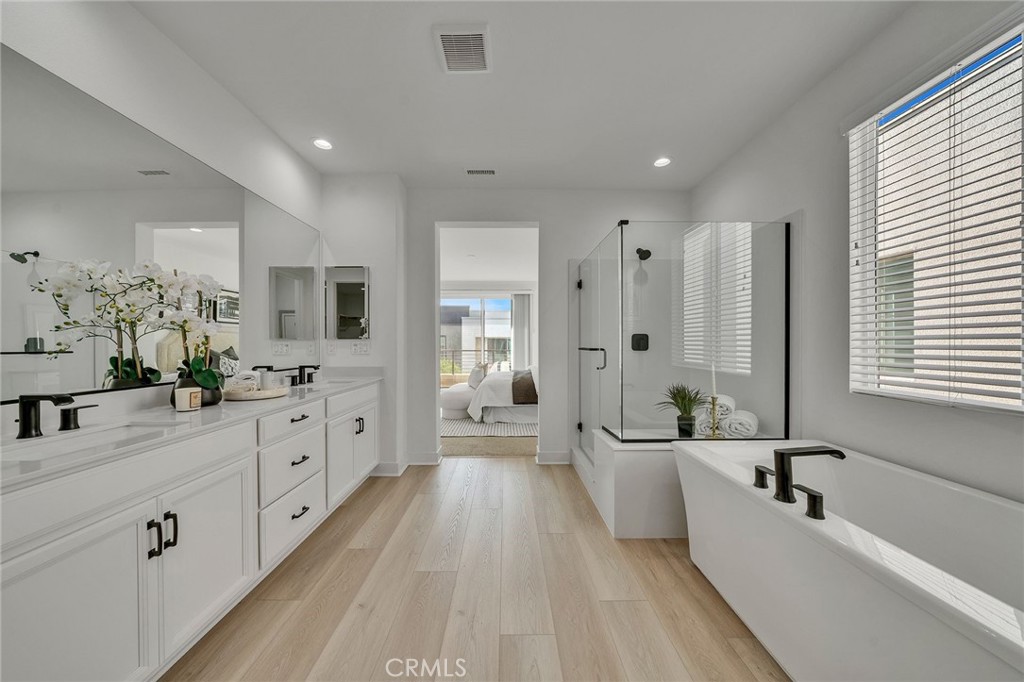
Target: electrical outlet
[361,347]
[310,348]
[332,348]
[280,348]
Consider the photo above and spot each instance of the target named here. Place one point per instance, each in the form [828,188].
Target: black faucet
[28,412]
[784,467]
[303,376]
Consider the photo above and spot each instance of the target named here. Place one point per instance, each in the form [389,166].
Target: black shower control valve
[640,342]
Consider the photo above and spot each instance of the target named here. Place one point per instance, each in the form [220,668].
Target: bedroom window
[936,269]
[711,297]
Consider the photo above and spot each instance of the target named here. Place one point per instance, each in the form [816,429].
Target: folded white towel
[243,382]
[740,424]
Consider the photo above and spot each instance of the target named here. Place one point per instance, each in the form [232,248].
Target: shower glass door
[599,353]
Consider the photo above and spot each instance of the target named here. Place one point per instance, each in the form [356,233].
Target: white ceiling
[581,94]
[57,138]
[488,253]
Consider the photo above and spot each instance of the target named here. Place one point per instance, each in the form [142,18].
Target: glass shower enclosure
[698,304]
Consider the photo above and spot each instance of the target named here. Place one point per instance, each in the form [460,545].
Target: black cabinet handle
[301,513]
[300,419]
[300,460]
[173,518]
[359,421]
[159,537]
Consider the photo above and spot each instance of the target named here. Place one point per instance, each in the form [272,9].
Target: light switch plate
[361,347]
[332,348]
[280,348]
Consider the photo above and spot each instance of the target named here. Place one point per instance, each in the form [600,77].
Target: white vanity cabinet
[291,478]
[83,607]
[352,445]
[208,552]
[130,585]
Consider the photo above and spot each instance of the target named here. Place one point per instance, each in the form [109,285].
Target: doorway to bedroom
[487,338]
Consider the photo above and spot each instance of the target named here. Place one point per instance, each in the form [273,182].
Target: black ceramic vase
[211,396]
[684,423]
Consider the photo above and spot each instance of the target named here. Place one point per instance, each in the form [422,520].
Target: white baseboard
[424,457]
[389,469]
[552,457]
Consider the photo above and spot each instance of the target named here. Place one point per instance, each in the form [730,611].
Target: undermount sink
[94,440]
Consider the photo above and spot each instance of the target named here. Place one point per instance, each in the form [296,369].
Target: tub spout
[784,467]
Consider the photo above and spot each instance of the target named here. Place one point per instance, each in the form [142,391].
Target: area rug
[467,428]
[489,446]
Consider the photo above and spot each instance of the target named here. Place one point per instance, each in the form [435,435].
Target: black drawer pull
[173,542]
[300,419]
[159,537]
[301,513]
[299,461]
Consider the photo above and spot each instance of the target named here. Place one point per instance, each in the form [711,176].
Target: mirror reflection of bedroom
[487,345]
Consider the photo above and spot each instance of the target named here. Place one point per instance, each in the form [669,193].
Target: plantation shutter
[711,297]
[936,270]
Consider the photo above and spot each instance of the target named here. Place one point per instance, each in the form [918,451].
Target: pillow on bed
[477,375]
[536,377]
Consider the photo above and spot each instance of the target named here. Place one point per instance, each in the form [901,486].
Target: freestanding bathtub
[909,577]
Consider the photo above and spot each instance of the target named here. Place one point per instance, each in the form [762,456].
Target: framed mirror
[292,303]
[347,302]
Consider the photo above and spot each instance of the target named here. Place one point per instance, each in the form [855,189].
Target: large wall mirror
[83,183]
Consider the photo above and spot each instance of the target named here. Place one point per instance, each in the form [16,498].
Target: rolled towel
[702,424]
[726,406]
[740,424]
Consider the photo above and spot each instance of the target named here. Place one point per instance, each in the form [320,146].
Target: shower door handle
[602,351]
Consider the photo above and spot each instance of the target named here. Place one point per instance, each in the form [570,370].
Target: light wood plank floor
[499,569]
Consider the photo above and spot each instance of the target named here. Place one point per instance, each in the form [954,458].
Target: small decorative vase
[211,396]
[684,424]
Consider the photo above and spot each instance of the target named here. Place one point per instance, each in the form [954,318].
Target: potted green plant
[685,401]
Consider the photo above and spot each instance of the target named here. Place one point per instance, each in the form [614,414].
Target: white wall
[572,222]
[363,223]
[799,164]
[109,50]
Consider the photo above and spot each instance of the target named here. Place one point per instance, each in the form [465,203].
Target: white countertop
[28,462]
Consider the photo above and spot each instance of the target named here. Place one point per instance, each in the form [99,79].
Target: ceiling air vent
[479,171]
[463,48]
[153,172]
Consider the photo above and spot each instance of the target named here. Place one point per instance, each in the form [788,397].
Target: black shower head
[644,254]
[23,257]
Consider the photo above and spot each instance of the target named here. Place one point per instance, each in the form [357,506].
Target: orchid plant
[131,304]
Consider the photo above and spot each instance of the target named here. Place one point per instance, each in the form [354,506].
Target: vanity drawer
[286,464]
[285,423]
[348,401]
[291,516]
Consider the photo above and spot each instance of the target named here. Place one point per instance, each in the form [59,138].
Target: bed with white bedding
[509,397]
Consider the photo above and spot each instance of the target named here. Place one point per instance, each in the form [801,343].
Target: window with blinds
[937,245]
[711,297]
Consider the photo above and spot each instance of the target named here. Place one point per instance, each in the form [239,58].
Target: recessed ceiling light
[662,162]
[195,229]
[321,143]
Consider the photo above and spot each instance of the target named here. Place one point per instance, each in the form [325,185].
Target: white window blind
[937,242]
[711,297]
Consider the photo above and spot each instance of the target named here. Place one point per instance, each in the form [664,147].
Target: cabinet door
[84,607]
[209,549]
[340,458]
[366,442]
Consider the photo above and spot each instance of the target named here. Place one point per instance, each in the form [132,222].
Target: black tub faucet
[784,467]
[28,412]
